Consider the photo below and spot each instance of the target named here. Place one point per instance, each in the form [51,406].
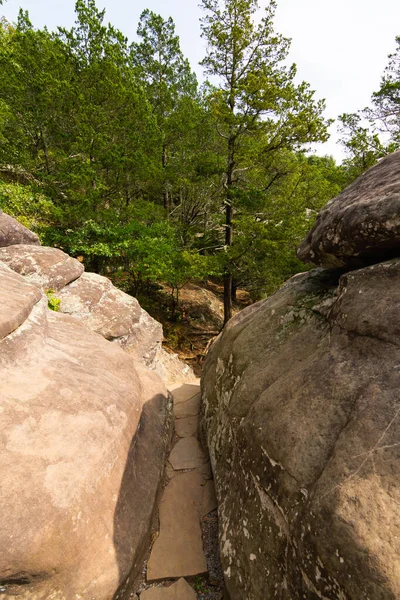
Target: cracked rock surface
[301,412]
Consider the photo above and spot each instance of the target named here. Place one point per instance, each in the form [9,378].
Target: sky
[340,46]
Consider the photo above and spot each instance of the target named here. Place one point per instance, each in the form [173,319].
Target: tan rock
[187,426]
[188,408]
[113,314]
[48,268]
[79,477]
[180,590]
[185,392]
[12,232]
[187,454]
[17,299]
[178,551]
[173,370]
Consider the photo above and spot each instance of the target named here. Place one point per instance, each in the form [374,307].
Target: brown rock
[79,476]
[187,426]
[209,498]
[301,413]
[48,268]
[187,454]
[180,590]
[12,232]
[178,551]
[170,471]
[361,225]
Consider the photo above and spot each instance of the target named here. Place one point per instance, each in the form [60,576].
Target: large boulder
[362,225]
[83,436]
[12,232]
[48,268]
[115,315]
[301,413]
[95,301]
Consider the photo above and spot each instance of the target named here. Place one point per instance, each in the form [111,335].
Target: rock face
[91,298]
[12,232]
[301,413]
[114,314]
[362,225]
[48,268]
[84,431]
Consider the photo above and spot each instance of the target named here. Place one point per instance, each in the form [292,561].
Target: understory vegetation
[112,152]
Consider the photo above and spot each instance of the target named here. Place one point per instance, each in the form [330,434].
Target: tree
[171,85]
[256,97]
[374,131]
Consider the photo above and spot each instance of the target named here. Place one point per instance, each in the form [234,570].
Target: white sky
[340,46]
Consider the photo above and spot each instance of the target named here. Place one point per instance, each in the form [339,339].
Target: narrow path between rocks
[184,561]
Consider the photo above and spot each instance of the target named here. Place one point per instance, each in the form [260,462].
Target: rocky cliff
[301,408]
[84,426]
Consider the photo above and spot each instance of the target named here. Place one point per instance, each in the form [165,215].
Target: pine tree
[255,96]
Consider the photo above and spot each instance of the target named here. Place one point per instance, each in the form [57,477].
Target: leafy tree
[256,97]
[274,210]
[375,131]
[170,84]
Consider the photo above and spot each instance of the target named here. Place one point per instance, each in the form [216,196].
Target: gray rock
[362,225]
[301,414]
[12,232]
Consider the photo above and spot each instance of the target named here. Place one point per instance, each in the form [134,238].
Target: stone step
[187,454]
[188,408]
[178,550]
[179,590]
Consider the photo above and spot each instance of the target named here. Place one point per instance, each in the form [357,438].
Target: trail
[184,560]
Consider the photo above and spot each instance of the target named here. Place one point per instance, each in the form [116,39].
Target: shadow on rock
[139,492]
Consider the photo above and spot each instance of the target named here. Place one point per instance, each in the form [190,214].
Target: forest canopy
[112,151]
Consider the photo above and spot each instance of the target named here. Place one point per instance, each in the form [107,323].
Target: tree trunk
[166,200]
[234,290]
[227,297]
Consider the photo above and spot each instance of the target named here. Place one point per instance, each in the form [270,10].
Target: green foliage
[258,108]
[375,131]
[29,206]
[52,301]
[110,151]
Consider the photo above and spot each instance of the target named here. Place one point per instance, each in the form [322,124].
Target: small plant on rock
[52,301]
